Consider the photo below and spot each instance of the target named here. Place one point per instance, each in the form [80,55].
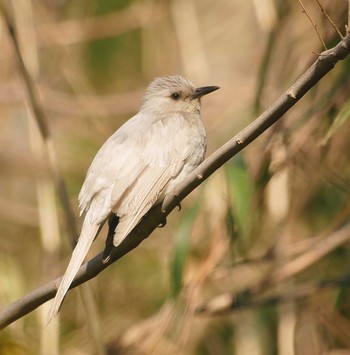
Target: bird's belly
[197,150]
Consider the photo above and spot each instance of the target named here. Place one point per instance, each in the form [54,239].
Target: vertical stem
[49,155]
[348,26]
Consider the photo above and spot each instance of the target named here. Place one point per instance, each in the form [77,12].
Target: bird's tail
[87,236]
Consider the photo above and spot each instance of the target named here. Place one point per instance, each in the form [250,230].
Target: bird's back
[141,162]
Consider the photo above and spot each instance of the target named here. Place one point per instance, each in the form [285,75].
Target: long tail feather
[87,236]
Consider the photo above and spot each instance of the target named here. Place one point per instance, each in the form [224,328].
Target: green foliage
[219,333]
[106,6]
[241,190]
[182,246]
[340,119]
[113,59]
[324,206]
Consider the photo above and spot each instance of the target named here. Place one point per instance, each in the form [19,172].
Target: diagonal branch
[38,113]
[227,302]
[41,121]
[329,19]
[324,63]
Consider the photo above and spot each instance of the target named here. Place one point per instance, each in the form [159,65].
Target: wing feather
[132,170]
[147,190]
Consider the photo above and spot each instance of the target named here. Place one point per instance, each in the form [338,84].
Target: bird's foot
[108,249]
[105,258]
[162,222]
[113,221]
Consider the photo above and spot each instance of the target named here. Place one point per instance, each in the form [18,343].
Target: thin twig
[264,66]
[227,303]
[320,250]
[329,19]
[313,24]
[285,272]
[291,250]
[56,175]
[315,73]
[40,117]
[115,23]
[348,25]
[285,251]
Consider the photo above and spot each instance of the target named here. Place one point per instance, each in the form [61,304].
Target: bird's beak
[199,92]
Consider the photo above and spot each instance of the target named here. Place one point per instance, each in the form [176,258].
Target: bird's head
[174,93]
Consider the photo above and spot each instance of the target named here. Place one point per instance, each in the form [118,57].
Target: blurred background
[272,222]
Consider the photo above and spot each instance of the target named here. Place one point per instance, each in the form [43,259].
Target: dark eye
[175,95]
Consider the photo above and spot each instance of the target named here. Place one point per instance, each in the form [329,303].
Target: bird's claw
[162,222]
[113,221]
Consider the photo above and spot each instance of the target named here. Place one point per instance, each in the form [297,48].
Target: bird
[142,162]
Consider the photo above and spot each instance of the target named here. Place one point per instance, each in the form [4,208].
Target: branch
[324,63]
[313,24]
[227,303]
[43,127]
[329,19]
[51,160]
[347,26]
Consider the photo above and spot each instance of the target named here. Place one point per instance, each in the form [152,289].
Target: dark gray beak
[204,91]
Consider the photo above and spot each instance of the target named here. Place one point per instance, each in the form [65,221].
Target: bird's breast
[191,144]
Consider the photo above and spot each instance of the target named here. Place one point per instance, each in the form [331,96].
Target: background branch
[51,160]
[313,25]
[329,19]
[227,302]
[41,120]
[230,302]
[324,63]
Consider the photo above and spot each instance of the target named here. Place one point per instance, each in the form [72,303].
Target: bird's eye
[175,95]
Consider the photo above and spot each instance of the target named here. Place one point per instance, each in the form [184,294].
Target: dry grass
[283,198]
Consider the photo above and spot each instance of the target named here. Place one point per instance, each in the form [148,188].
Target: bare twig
[286,251]
[316,72]
[225,303]
[228,302]
[303,247]
[41,121]
[113,24]
[348,25]
[56,175]
[313,24]
[320,250]
[264,66]
[329,19]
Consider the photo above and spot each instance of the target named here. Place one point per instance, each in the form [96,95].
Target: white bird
[143,161]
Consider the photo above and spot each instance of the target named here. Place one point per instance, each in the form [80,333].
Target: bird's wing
[161,153]
[133,166]
[108,165]
[142,195]
[130,172]
[116,161]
